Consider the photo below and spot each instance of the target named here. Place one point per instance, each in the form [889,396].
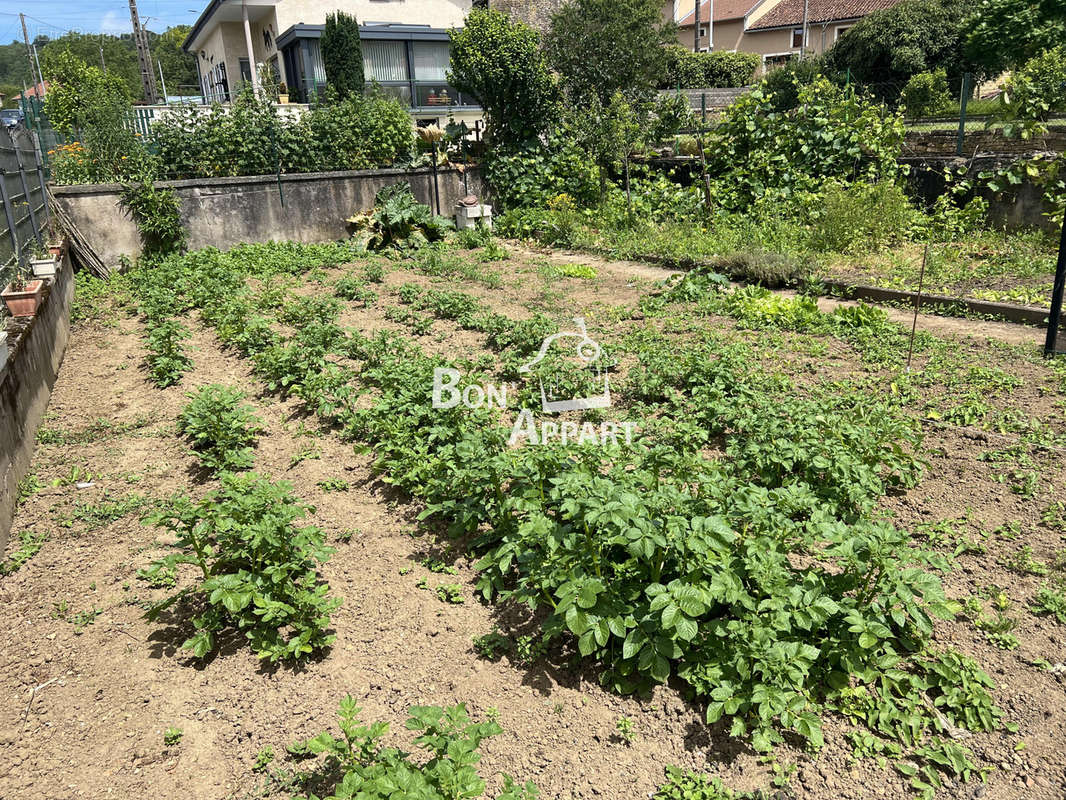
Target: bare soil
[84,707]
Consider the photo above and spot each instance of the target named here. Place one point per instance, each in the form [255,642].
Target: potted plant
[43,263]
[21,296]
[283,94]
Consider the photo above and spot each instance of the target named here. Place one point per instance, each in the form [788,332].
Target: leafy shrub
[528,176]
[221,428]
[764,268]
[166,359]
[721,68]
[1034,92]
[861,217]
[257,569]
[397,220]
[833,133]
[249,138]
[352,287]
[371,771]
[782,85]
[926,93]
[156,212]
[498,60]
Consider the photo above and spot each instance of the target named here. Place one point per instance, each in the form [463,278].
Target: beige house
[405,48]
[772,28]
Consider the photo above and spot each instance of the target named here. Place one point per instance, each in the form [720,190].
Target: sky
[56,17]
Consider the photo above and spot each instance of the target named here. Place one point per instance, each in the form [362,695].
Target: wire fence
[23,194]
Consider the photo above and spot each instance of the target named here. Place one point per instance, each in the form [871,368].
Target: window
[842,30]
[703,31]
[413,71]
[772,62]
[797,38]
[385,61]
[431,60]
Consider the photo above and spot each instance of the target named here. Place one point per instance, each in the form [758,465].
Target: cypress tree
[342,55]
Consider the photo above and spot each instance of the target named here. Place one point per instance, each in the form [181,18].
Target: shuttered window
[384,61]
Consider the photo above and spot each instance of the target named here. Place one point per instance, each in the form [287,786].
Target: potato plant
[221,428]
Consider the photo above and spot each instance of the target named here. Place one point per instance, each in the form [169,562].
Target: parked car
[11,117]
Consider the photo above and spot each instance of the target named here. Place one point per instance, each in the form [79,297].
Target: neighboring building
[772,28]
[404,42]
[39,90]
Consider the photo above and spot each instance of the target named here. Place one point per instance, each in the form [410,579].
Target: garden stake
[629,196]
[1054,319]
[704,175]
[917,305]
[436,189]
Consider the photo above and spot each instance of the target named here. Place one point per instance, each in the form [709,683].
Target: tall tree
[498,61]
[342,54]
[179,67]
[1004,34]
[118,54]
[603,47]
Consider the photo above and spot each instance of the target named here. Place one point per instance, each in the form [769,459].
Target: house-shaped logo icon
[588,352]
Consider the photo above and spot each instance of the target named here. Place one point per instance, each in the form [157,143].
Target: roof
[789,13]
[40,90]
[723,10]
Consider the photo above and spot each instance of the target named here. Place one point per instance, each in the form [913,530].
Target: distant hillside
[117,53]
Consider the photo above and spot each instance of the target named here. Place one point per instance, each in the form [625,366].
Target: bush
[762,267]
[499,61]
[532,174]
[862,217]
[157,214]
[222,429]
[926,94]
[249,138]
[342,55]
[721,69]
[833,133]
[782,85]
[257,569]
[1035,91]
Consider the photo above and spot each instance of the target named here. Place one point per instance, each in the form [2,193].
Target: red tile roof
[789,13]
[40,90]
[723,10]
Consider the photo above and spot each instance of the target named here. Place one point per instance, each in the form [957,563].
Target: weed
[351,287]
[171,736]
[529,650]
[84,618]
[682,785]
[333,485]
[306,453]
[96,515]
[1050,601]
[624,727]
[346,535]
[27,488]
[263,759]
[491,646]
[75,476]
[450,593]
[438,566]
[1054,516]
[1022,562]
[30,543]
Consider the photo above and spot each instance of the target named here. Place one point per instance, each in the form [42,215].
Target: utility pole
[29,52]
[710,26]
[140,39]
[162,80]
[803,36]
[696,29]
[102,62]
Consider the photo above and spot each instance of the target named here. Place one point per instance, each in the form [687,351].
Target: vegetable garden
[781,584]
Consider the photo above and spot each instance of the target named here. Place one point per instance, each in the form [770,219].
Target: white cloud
[114,24]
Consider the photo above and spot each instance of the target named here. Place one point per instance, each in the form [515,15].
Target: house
[772,28]
[405,48]
[38,90]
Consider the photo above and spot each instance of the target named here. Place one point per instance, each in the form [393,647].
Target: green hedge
[720,70]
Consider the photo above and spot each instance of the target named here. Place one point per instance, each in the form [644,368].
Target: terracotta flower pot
[55,249]
[23,303]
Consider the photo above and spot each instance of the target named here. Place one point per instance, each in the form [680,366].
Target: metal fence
[24,197]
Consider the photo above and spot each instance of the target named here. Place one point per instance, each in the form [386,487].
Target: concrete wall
[1022,206]
[26,383]
[223,212]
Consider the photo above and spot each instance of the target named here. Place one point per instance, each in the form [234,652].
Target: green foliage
[721,68]
[342,54]
[257,569]
[156,210]
[30,543]
[166,359]
[492,645]
[1051,601]
[926,93]
[93,108]
[832,134]
[530,175]
[886,48]
[1004,34]
[172,736]
[352,287]
[681,785]
[782,85]
[1034,92]
[249,138]
[604,47]
[624,727]
[397,220]
[498,61]
[370,771]
[860,217]
[222,429]
[772,270]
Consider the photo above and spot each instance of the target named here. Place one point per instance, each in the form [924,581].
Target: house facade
[405,46]
[774,29]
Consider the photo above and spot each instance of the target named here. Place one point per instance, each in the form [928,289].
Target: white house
[404,42]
